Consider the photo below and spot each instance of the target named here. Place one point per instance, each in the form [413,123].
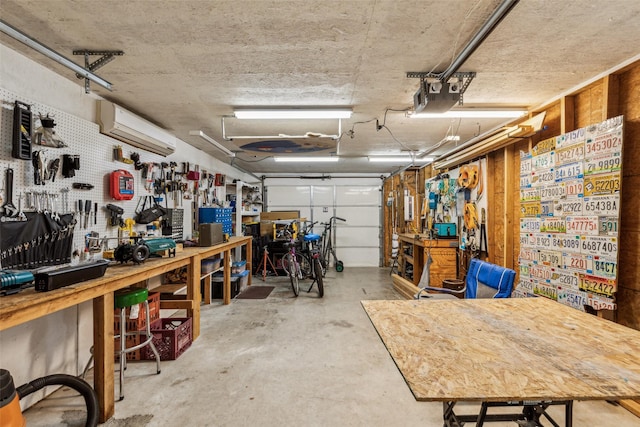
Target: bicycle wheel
[284,263]
[317,267]
[305,265]
[323,264]
[293,271]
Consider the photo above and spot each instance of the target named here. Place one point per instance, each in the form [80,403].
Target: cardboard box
[274,216]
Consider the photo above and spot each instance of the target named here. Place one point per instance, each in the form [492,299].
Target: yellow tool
[470,215]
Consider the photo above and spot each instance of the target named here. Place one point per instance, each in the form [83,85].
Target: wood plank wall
[613,95]
[413,180]
[629,267]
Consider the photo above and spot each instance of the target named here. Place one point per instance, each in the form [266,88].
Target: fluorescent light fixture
[213,142]
[52,54]
[471,113]
[305,159]
[452,138]
[293,113]
[399,159]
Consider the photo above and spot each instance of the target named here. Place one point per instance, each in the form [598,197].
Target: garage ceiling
[189,63]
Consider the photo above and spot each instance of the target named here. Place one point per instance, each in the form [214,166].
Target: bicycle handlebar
[341,219]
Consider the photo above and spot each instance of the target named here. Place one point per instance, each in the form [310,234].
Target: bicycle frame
[292,268]
[327,244]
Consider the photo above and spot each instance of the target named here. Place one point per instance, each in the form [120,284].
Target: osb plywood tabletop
[507,349]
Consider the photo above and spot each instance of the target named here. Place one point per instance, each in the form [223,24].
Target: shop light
[399,159]
[293,113]
[472,113]
[213,142]
[305,159]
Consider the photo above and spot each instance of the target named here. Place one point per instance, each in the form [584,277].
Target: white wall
[60,342]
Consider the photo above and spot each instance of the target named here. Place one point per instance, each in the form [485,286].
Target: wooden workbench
[415,248]
[500,350]
[29,305]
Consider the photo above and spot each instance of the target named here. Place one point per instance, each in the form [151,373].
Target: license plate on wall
[602,205]
[578,262]
[571,154]
[602,246]
[601,184]
[597,285]
[603,164]
[582,225]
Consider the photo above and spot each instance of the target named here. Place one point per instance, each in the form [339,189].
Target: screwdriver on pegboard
[87,210]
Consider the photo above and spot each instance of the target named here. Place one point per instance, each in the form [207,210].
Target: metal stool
[127,298]
[123,299]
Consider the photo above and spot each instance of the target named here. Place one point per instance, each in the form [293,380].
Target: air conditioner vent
[125,126]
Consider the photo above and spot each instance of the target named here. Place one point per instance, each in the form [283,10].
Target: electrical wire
[464,22]
[400,143]
[249,161]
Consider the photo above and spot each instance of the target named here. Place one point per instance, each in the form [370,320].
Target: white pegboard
[95,150]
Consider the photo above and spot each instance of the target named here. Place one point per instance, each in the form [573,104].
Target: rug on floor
[256,292]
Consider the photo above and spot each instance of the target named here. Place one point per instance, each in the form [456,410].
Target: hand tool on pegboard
[9,209]
[80,212]
[22,126]
[39,163]
[87,211]
[483,235]
[54,165]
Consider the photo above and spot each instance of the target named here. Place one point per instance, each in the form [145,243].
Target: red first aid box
[121,185]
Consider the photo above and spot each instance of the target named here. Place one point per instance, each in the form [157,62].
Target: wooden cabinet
[413,254]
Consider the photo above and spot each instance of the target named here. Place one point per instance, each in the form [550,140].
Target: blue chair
[484,280]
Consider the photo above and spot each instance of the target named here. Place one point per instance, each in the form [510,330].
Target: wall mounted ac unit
[125,126]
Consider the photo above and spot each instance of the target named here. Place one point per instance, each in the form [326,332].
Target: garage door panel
[288,195]
[352,257]
[321,216]
[323,195]
[356,216]
[358,237]
[358,195]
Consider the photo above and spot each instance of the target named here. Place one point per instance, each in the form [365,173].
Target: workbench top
[424,241]
[507,349]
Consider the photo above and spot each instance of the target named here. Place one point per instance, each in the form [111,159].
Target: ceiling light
[399,159]
[472,113]
[306,159]
[213,142]
[293,113]
[452,138]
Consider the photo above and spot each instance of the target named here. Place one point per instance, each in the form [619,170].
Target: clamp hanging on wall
[107,56]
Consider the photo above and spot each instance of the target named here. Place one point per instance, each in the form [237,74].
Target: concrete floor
[284,361]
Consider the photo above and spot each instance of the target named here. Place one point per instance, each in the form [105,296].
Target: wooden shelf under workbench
[414,251]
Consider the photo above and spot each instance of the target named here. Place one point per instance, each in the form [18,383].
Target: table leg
[103,354]
[226,284]
[568,414]
[193,294]
[250,261]
[207,289]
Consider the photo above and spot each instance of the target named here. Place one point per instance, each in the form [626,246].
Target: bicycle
[312,254]
[305,263]
[327,244]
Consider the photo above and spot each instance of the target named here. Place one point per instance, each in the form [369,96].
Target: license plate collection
[569,213]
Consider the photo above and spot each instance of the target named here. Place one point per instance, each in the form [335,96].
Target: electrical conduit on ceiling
[490,24]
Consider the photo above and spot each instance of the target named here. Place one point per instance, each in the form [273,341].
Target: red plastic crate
[171,336]
[140,322]
[131,341]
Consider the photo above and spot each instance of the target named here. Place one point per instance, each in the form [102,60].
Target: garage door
[357,240]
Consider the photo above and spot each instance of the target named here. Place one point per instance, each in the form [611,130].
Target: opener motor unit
[435,97]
